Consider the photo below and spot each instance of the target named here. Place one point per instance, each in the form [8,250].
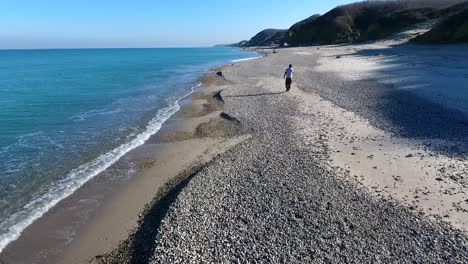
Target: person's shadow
[258,94]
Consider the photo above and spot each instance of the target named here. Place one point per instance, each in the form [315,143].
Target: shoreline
[199,135]
[89,170]
[177,146]
[94,151]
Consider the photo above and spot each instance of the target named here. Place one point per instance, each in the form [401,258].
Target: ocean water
[67,115]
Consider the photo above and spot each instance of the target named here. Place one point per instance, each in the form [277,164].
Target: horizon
[52,24]
[110,48]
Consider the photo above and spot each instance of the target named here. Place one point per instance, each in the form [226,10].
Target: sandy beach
[363,161]
[342,169]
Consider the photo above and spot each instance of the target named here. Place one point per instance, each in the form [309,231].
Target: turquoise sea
[67,115]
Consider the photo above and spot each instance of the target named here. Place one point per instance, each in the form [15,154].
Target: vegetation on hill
[267,37]
[300,30]
[371,20]
[454,29]
[363,21]
[242,43]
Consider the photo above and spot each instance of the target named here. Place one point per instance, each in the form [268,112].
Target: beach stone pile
[272,200]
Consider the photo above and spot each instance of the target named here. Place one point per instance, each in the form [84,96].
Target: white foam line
[246,59]
[76,178]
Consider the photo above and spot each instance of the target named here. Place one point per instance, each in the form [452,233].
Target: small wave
[85,115]
[246,59]
[57,191]
[21,141]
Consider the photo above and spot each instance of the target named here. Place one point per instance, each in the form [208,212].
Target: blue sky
[145,23]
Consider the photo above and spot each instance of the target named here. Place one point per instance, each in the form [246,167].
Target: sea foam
[246,59]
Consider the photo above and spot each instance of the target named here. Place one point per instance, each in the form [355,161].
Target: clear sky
[146,23]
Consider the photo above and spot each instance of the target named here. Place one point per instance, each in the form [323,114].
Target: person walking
[288,75]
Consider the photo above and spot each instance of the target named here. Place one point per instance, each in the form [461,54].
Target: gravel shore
[271,199]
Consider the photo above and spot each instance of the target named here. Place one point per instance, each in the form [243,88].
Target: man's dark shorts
[288,81]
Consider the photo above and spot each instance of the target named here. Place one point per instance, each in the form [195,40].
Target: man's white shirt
[289,72]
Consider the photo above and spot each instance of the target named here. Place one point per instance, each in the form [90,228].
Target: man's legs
[288,84]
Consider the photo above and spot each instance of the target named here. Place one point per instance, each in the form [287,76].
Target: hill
[454,29]
[363,21]
[242,43]
[299,31]
[267,37]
